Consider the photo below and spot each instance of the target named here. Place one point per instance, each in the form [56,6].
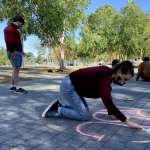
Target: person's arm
[114,111]
[21,40]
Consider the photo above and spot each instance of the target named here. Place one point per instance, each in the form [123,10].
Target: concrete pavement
[22,128]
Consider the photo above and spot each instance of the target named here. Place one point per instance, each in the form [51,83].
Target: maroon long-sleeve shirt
[13,38]
[95,82]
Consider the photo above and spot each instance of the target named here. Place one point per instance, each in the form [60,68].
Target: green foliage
[70,46]
[104,32]
[47,19]
[99,33]
[29,58]
[39,59]
[125,34]
[132,31]
[3,57]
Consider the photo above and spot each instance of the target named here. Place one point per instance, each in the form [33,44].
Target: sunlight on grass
[30,73]
[4,79]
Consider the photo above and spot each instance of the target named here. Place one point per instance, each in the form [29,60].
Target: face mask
[118,81]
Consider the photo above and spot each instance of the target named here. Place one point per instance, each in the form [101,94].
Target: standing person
[92,82]
[144,70]
[14,45]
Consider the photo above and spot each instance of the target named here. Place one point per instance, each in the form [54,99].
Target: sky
[29,44]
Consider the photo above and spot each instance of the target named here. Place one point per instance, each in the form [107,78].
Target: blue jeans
[74,106]
[16,61]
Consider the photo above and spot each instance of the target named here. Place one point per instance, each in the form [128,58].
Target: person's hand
[132,124]
[14,55]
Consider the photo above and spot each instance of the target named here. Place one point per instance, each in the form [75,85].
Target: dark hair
[146,58]
[18,18]
[115,62]
[125,67]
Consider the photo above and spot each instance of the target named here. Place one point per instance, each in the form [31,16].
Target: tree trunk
[110,55]
[62,53]
[61,59]
[141,53]
[59,53]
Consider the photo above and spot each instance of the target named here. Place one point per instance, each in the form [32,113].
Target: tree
[99,33]
[29,58]
[133,36]
[124,34]
[71,46]
[3,57]
[48,19]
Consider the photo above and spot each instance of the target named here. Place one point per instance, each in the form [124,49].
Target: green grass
[30,73]
[7,78]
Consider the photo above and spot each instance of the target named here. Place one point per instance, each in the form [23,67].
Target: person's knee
[85,116]
[16,70]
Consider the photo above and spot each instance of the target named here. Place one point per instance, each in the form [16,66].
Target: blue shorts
[16,61]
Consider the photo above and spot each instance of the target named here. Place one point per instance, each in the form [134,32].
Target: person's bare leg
[15,77]
[12,78]
[15,81]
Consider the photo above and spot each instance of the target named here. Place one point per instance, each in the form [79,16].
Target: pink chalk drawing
[135,113]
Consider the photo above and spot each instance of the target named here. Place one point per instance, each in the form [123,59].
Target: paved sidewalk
[22,128]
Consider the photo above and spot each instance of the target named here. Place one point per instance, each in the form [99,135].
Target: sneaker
[52,114]
[20,91]
[12,88]
[52,110]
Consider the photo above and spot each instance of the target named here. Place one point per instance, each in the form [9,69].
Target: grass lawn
[7,78]
[30,73]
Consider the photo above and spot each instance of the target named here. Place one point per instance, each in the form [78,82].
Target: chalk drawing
[134,113]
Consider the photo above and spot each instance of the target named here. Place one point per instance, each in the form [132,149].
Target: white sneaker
[51,110]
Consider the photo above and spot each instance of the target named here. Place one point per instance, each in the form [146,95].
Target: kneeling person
[92,82]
